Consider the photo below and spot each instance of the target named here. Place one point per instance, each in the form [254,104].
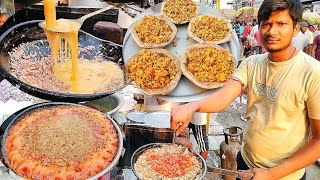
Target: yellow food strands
[62,35]
[64,43]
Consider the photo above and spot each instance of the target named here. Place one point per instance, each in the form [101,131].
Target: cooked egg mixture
[94,75]
[62,35]
[66,41]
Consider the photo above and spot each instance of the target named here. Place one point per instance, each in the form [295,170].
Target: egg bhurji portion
[180,11]
[210,28]
[208,65]
[154,32]
[156,71]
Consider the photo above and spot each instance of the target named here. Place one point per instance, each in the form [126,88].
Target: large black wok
[16,117]
[17,33]
[29,32]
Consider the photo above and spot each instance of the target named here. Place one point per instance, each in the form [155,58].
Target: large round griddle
[29,110]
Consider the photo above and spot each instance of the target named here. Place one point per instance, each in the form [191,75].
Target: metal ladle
[78,21]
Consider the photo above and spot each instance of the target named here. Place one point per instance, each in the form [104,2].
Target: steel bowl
[109,104]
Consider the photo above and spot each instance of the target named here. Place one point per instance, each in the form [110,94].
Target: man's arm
[313,51]
[314,46]
[214,103]
[307,155]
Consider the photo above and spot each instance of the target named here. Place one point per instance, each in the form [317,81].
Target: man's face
[304,29]
[276,33]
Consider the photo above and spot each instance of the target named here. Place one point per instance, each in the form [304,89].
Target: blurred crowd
[249,38]
[307,40]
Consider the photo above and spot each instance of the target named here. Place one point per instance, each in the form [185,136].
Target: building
[237,4]
[316,7]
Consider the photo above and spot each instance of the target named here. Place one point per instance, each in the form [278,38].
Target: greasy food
[61,142]
[179,11]
[154,32]
[41,72]
[167,162]
[210,28]
[156,71]
[207,65]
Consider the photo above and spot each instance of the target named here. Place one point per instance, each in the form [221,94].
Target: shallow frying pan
[30,32]
[14,119]
[142,149]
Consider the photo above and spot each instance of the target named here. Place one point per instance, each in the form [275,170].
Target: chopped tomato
[169,165]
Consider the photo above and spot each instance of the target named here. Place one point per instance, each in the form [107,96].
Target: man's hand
[181,116]
[265,174]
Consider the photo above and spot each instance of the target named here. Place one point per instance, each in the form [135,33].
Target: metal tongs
[174,137]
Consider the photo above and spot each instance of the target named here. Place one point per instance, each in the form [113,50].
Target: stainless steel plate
[186,91]
[136,116]
[158,119]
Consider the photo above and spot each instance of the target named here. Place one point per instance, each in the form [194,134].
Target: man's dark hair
[243,39]
[268,6]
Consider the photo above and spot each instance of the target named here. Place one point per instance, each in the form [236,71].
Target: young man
[283,99]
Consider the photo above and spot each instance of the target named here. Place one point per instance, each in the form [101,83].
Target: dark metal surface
[12,34]
[142,149]
[138,135]
[19,115]
[186,91]
[30,31]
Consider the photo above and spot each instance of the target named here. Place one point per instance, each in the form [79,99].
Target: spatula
[79,21]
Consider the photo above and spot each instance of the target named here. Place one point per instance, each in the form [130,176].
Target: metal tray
[186,91]
[158,119]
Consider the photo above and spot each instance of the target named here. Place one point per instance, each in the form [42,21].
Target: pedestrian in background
[316,48]
[304,26]
[258,48]
[317,31]
[300,42]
